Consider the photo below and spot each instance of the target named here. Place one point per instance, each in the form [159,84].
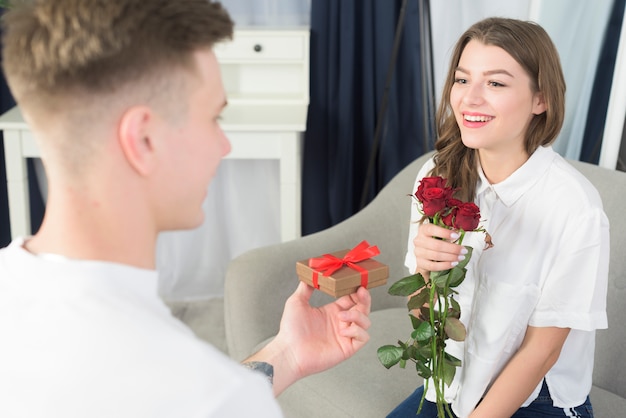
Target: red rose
[427,183]
[467,217]
[434,200]
[433,194]
[447,216]
[454,203]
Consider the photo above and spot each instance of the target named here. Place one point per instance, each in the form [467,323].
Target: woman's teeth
[477,118]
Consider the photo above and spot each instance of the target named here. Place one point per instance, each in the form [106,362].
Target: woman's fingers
[434,249]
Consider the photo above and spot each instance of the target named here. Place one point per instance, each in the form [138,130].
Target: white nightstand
[266,76]
[266,66]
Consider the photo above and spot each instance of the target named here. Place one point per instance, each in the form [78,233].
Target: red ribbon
[328,263]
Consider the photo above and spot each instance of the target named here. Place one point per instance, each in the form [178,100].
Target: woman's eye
[495,84]
[460,80]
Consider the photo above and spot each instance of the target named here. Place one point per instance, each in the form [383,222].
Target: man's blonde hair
[71,64]
[57,47]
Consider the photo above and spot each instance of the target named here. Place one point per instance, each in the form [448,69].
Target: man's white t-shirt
[93,339]
[548,268]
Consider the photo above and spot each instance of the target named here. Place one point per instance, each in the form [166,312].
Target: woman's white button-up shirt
[548,268]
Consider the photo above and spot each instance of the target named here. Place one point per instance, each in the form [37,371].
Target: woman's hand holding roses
[434,249]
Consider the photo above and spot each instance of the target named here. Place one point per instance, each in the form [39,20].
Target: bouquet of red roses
[433,311]
[438,204]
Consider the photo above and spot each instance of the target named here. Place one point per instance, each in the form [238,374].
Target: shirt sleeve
[253,398]
[409,260]
[574,293]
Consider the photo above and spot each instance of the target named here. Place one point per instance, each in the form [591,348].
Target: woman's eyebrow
[490,72]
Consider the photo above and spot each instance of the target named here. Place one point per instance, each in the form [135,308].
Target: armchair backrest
[609,372]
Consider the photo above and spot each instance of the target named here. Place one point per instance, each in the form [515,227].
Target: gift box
[342,272]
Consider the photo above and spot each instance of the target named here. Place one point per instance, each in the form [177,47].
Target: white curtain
[576,26]
[450,18]
[241,212]
[272,13]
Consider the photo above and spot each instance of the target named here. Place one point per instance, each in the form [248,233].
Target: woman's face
[492,100]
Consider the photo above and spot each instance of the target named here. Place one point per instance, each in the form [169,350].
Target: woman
[532,302]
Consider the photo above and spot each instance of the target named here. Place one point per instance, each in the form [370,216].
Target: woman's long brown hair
[530,45]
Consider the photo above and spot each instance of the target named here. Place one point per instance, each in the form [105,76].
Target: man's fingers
[358,334]
[361,299]
[356,317]
[304,291]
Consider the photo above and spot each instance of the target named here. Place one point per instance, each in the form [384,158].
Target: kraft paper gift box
[342,272]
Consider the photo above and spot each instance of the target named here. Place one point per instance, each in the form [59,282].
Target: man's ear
[134,136]
[539,104]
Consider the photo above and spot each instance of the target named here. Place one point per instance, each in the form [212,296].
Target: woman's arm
[539,351]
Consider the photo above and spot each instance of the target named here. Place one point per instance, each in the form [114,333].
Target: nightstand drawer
[262,47]
[266,66]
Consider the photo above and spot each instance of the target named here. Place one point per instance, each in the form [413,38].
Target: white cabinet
[265,66]
[266,77]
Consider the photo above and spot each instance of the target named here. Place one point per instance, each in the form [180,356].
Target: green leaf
[415,321]
[407,286]
[455,329]
[423,370]
[438,278]
[417,356]
[389,355]
[453,314]
[425,352]
[457,275]
[449,358]
[448,373]
[456,308]
[410,353]
[423,332]
[425,312]
[418,300]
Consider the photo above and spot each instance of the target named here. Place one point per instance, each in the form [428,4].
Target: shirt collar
[106,276]
[514,186]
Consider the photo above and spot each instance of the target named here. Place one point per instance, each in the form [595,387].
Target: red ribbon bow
[328,263]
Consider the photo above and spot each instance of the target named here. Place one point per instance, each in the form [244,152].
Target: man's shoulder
[13,262]
[12,248]
[114,346]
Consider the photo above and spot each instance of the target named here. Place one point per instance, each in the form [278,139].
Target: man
[124,99]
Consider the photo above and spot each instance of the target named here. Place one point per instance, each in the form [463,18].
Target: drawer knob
[258,48]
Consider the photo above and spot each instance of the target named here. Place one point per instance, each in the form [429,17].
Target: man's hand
[312,339]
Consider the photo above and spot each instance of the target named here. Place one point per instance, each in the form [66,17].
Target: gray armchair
[259,282]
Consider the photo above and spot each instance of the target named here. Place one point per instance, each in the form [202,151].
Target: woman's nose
[473,94]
